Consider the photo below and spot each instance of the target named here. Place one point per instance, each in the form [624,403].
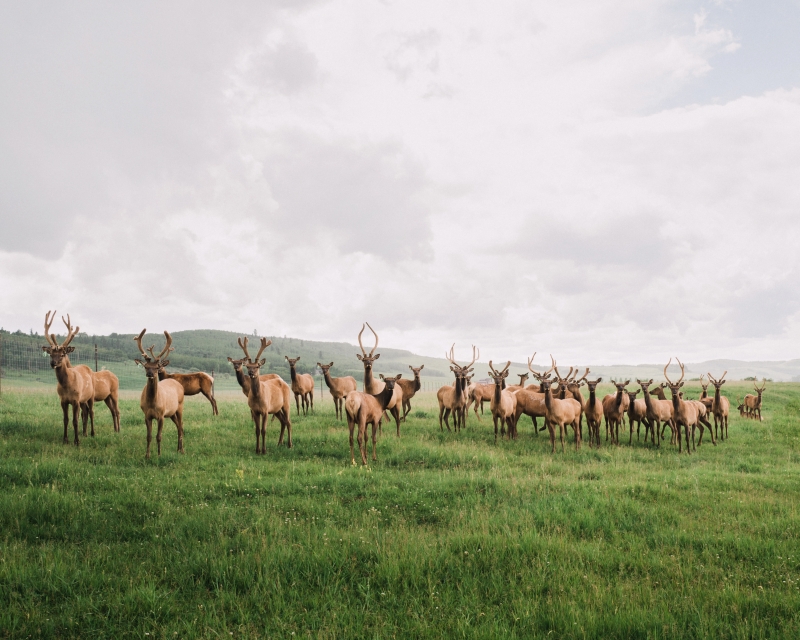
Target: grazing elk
[160,399]
[75,386]
[410,388]
[365,408]
[720,407]
[637,412]
[193,383]
[560,412]
[454,399]
[753,403]
[373,386]
[594,412]
[268,397]
[684,413]
[302,386]
[504,403]
[238,365]
[614,407]
[339,388]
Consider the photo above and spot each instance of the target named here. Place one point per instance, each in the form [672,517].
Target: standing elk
[75,386]
[658,411]
[504,404]
[302,386]
[480,393]
[614,407]
[410,388]
[704,397]
[238,365]
[160,399]
[454,399]
[373,386]
[530,401]
[658,392]
[268,397]
[367,408]
[339,388]
[523,377]
[753,403]
[193,383]
[637,412]
[741,408]
[594,412]
[106,389]
[720,406]
[684,413]
[560,412]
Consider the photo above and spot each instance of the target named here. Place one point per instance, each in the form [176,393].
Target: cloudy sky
[612,182]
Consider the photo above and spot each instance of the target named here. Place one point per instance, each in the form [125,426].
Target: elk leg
[396,415]
[178,420]
[75,422]
[256,422]
[552,430]
[288,420]
[149,424]
[362,434]
[446,415]
[158,433]
[311,398]
[475,409]
[263,420]
[494,418]
[374,433]
[65,412]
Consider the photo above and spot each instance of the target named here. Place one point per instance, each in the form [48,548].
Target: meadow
[446,535]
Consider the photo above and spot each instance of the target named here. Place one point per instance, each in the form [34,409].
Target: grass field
[445,536]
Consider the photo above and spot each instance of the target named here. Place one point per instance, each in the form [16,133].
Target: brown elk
[637,412]
[268,397]
[480,393]
[106,389]
[339,388]
[594,412]
[704,397]
[504,403]
[193,383]
[658,392]
[720,406]
[684,413]
[238,365]
[364,408]
[614,407]
[702,422]
[560,412]
[410,388]
[753,403]
[522,379]
[658,411]
[160,399]
[373,386]
[75,385]
[302,386]
[741,408]
[454,399]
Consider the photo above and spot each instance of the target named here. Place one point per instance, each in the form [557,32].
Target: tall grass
[446,535]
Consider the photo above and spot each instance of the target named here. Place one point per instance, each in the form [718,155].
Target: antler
[264,344]
[761,388]
[376,339]
[499,373]
[683,372]
[583,377]
[665,371]
[475,357]
[530,362]
[48,321]
[138,341]
[552,366]
[70,333]
[167,348]
[243,344]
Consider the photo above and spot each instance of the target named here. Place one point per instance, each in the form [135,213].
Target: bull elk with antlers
[684,413]
[614,407]
[238,365]
[302,386]
[272,396]
[454,399]
[160,399]
[410,388]
[720,406]
[530,401]
[594,412]
[75,386]
[373,386]
[339,388]
[365,408]
[753,403]
[560,412]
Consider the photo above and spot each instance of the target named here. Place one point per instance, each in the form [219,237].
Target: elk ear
[680,385]
[378,355]
[287,358]
[422,367]
[230,359]
[380,375]
[627,382]
[46,349]
[358,355]
[721,382]
[331,364]
[163,364]
[69,349]
[139,362]
[399,375]
[262,362]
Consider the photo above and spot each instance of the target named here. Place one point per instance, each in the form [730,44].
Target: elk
[702,420]
[658,411]
[302,386]
[241,378]
[160,399]
[410,388]
[753,403]
[708,402]
[658,392]
[684,413]
[573,386]
[742,408]
[373,386]
[720,406]
[106,389]
[75,385]
[453,399]
[614,407]
[193,383]
[268,397]
[339,388]
[637,412]
[522,378]
[594,412]
[504,403]
[481,393]
[366,408]
[560,412]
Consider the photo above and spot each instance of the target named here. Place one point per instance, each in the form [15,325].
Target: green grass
[445,536]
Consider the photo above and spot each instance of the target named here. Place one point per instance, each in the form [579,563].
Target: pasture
[447,535]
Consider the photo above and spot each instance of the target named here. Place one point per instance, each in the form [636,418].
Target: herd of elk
[557,399]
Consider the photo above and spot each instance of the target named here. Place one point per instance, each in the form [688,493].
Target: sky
[610,182]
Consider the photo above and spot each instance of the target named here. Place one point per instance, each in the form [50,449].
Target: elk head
[704,383]
[416,370]
[644,384]
[717,383]
[675,387]
[456,368]
[254,365]
[499,376]
[58,352]
[632,395]
[592,384]
[153,363]
[760,390]
[324,368]
[292,361]
[238,364]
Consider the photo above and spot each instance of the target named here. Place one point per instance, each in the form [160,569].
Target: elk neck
[244,382]
[385,396]
[293,373]
[151,387]
[497,391]
[417,383]
[328,380]
[62,373]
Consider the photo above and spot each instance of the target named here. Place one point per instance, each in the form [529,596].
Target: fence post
[95,357]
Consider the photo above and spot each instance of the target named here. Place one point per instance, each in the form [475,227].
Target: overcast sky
[612,182]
